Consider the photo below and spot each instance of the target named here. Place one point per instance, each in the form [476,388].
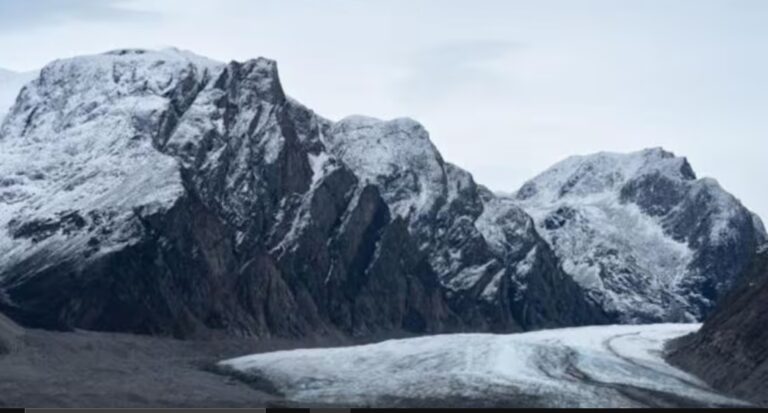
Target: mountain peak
[172,53]
[379,150]
[258,75]
[640,230]
[658,151]
[603,172]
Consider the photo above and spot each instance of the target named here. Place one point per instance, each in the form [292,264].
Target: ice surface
[580,367]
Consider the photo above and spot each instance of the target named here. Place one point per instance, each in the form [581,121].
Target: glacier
[603,366]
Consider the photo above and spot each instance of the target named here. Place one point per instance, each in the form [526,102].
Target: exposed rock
[731,349]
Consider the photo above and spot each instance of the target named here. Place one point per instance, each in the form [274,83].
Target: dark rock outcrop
[731,350]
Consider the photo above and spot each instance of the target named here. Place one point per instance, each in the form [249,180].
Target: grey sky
[505,87]
[24,15]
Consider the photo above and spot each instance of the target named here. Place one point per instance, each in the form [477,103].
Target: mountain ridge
[211,204]
[161,192]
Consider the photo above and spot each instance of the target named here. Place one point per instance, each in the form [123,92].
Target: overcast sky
[506,88]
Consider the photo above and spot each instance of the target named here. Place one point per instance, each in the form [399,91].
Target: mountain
[10,85]
[644,236]
[161,192]
[731,349]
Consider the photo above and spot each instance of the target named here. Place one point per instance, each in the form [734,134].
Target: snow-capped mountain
[645,237]
[162,192]
[10,85]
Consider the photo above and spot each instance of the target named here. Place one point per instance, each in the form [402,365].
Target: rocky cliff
[731,349]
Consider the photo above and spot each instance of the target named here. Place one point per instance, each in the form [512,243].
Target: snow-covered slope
[10,85]
[608,366]
[76,151]
[641,233]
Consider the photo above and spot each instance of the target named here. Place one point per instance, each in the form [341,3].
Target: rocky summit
[160,192]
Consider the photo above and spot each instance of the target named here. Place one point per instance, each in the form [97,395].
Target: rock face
[731,349]
[646,238]
[164,193]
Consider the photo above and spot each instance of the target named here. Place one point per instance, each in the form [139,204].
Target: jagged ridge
[161,192]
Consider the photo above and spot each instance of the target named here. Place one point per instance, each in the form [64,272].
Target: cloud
[17,15]
[438,71]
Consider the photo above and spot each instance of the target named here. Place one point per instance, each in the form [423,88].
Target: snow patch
[468,277]
[491,290]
